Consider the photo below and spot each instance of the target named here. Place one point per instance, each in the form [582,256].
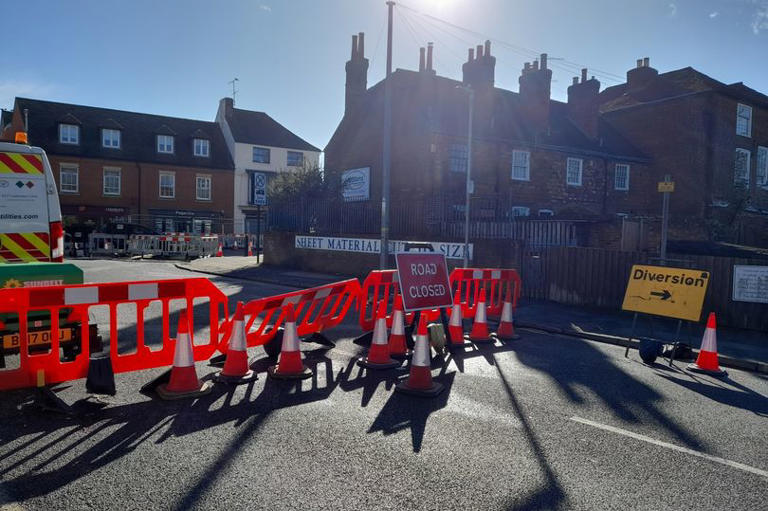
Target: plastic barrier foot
[101,377]
[363,362]
[319,338]
[218,360]
[479,340]
[152,385]
[48,401]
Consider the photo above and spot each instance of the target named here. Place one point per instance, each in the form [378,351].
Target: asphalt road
[544,422]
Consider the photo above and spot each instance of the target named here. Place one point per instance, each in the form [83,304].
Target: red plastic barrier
[469,281]
[379,285]
[48,364]
[316,309]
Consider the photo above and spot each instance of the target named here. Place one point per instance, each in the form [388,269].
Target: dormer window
[69,134]
[202,147]
[110,138]
[165,144]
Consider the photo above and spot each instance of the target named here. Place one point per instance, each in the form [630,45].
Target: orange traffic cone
[479,331]
[289,365]
[506,330]
[456,323]
[183,382]
[220,251]
[378,354]
[236,369]
[250,248]
[419,381]
[398,348]
[707,362]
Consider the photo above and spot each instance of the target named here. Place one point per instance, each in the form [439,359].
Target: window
[203,188]
[573,171]
[110,138]
[621,177]
[111,181]
[167,185]
[744,120]
[521,165]
[260,155]
[546,212]
[69,134]
[202,147]
[165,144]
[459,157]
[762,166]
[295,159]
[68,178]
[741,168]
[520,211]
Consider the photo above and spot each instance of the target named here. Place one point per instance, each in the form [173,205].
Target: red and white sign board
[424,281]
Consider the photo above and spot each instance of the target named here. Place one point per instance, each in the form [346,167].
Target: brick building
[169,174]
[711,137]
[537,157]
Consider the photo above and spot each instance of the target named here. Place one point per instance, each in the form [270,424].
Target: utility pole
[665,189]
[468,190]
[386,156]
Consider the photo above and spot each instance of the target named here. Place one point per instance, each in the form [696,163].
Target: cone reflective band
[183,382]
[378,354]
[707,361]
[419,381]
[456,323]
[219,251]
[480,331]
[397,343]
[236,368]
[289,365]
[506,330]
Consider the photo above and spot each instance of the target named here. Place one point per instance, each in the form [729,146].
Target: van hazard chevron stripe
[27,246]
[15,163]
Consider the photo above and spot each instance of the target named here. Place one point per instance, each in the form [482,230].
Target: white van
[30,216]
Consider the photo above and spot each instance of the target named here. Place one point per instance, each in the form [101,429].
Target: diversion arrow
[664,296]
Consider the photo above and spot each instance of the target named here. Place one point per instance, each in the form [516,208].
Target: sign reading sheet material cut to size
[424,281]
[671,292]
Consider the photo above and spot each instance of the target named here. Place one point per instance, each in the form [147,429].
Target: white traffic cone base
[694,368]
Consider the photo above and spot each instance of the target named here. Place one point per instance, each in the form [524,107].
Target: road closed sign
[671,292]
[424,281]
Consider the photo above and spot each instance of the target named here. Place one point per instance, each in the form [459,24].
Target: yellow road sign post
[671,292]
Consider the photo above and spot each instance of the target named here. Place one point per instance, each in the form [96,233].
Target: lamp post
[469,171]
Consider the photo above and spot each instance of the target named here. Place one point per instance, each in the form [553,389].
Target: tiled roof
[258,128]
[137,137]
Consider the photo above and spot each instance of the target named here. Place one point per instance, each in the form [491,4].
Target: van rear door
[24,204]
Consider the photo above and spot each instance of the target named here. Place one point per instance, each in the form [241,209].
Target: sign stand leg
[631,334]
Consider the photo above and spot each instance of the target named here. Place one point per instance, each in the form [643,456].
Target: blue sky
[175,57]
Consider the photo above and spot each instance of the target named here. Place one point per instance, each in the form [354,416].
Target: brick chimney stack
[357,74]
[535,87]
[641,75]
[583,104]
[426,66]
[480,68]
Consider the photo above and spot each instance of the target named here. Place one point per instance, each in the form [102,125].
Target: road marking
[637,436]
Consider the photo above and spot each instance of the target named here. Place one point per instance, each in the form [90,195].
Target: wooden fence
[598,277]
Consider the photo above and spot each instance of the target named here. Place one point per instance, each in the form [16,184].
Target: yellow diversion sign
[671,292]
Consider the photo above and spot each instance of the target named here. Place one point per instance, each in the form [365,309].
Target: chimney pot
[487,48]
[361,44]
[429,56]
[639,62]
[543,61]
[646,62]
[583,75]
[471,55]
[354,47]
[535,65]
[526,67]
[479,51]
[421,59]
[575,80]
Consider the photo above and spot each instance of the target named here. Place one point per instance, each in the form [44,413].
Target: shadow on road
[736,394]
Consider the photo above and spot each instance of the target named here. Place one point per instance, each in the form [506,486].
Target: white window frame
[269,154]
[761,171]
[616,185]
[568,179]
[112,138]
[743,178]
[69,168]
[204,146]
[111,171]
[546,213]
[203,178]
[160,175]
[521,160]
[162,146]
[459,158]
[288,158]
[745,129]
[520,211]
[66,134]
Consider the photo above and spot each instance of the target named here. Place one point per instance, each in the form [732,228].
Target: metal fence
[440,217]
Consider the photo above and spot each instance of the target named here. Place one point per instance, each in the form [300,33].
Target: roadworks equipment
[236,369]
[456,324]
[707,362]
[419,381]
[506,330]
[480,333]
[183,383]
[378,354]
[398,347]
[289,365]
[220,251]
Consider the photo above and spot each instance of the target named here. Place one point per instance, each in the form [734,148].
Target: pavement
[545,422]
[738,348]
